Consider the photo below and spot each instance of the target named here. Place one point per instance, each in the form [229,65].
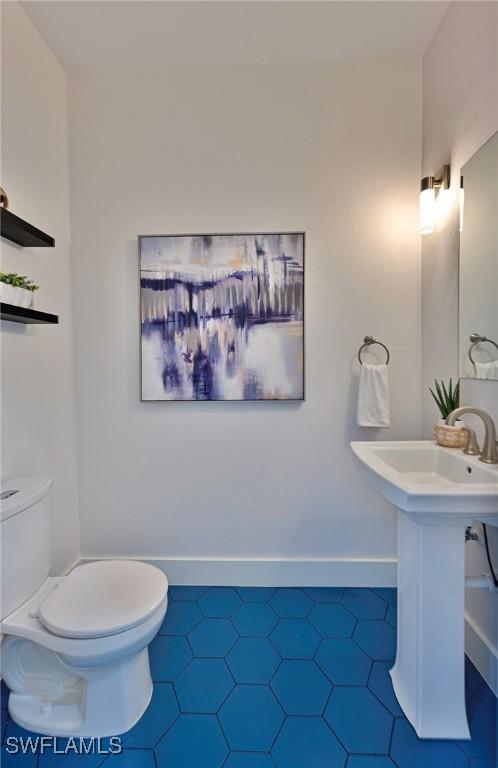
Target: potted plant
[447,399]
[17,289]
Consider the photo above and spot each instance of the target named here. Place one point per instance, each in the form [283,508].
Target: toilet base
[50,697]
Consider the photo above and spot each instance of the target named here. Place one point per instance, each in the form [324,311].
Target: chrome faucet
[489,453]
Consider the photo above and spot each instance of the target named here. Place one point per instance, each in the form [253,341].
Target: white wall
[37,379]
[334,151]
[460,108]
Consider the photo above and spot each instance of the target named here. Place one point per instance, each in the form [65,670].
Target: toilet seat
[80,652]
[103,598]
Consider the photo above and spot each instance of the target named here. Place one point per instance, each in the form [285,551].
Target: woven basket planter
[450,437]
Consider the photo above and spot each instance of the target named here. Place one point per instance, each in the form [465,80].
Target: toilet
[75,648]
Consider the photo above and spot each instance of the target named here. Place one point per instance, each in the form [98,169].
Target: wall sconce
[461,202]
[427,208]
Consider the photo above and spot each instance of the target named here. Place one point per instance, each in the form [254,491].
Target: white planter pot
[459,424]
[24,298]
[19,297]
[7,293]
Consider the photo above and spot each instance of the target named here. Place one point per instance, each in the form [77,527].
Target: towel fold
[373,397]
[487,370]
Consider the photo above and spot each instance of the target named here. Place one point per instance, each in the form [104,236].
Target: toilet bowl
[74,653]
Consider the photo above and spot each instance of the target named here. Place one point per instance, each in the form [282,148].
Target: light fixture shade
[427,207]
[461,203]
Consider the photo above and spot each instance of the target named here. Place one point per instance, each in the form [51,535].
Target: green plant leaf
[440,395]
[445,393]
[438,403]
[448,396]
[18,281]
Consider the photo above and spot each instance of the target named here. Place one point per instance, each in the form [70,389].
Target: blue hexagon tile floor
[280,678]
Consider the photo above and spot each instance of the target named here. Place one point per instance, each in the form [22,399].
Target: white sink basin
[439,491]
[430,483]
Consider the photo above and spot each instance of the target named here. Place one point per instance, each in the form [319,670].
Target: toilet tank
[25,539]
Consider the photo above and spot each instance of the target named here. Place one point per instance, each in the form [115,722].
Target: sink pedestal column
[429,672]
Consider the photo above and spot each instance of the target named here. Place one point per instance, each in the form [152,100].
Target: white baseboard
[256,572]
[482,654]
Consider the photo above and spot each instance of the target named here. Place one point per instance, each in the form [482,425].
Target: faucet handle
[472,447]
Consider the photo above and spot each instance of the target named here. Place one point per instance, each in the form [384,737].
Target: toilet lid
[104,598]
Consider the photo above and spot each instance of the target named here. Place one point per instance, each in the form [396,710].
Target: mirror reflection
[479,264]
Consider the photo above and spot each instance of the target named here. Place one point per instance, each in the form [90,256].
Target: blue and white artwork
[222,317]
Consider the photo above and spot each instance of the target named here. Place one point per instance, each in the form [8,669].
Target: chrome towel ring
[367,342]
[476,339]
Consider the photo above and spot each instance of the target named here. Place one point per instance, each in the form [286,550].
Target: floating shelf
[22,233]
[23,315]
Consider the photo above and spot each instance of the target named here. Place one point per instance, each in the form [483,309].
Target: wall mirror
[478,315]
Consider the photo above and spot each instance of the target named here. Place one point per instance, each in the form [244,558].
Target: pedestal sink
[438,492]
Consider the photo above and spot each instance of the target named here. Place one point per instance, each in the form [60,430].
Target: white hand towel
[373,397]
[487,370]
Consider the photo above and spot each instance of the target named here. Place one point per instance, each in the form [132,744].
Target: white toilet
[74,651]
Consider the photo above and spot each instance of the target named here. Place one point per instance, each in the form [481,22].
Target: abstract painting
[222,317]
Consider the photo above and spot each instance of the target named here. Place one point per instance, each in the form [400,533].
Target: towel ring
[476,339]
[367,342]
